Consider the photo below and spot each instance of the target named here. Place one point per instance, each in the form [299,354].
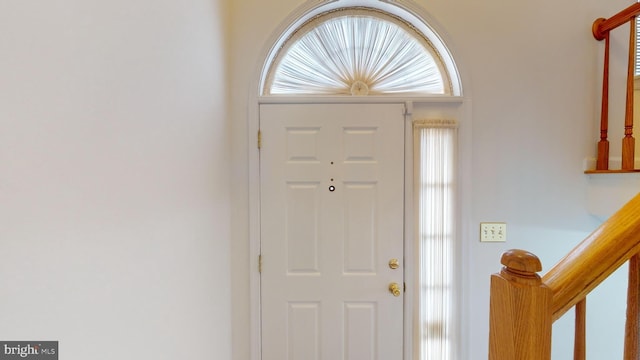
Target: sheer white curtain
[435,146]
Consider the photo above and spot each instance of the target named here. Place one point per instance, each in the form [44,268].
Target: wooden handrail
[602,26]
[595,258]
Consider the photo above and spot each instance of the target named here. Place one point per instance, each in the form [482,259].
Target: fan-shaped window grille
[357,52]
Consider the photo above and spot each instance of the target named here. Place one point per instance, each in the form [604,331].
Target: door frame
[409,217]
[437,105]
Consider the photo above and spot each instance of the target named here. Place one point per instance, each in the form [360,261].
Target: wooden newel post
[520,310]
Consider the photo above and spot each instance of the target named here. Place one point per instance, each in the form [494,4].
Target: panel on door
[331,184]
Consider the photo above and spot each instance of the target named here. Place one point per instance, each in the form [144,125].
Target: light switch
[493,232]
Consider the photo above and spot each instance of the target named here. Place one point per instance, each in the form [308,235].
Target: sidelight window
[436,163]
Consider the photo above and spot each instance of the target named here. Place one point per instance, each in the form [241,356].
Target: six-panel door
[332,200]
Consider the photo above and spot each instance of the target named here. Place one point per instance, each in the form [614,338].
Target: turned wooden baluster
[580,340]
[520,310]
[603,145]
[631,338]
[628,142]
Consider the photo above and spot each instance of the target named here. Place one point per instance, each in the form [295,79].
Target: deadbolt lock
[394,263]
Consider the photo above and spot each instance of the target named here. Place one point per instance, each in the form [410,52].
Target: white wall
[531,74]
[114,184]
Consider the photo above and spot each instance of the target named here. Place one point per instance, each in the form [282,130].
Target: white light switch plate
[493,232]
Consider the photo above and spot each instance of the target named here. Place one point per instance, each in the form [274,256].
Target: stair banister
[595,258]
[601,29]
[524,305]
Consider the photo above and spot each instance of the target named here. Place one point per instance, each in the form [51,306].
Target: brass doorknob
[394,288]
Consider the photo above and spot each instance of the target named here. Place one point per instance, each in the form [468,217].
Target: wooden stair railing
[601,29]
[524,305]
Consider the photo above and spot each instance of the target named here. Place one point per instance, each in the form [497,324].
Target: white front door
[332,200]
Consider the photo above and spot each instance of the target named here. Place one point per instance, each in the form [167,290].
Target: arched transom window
[357,51]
